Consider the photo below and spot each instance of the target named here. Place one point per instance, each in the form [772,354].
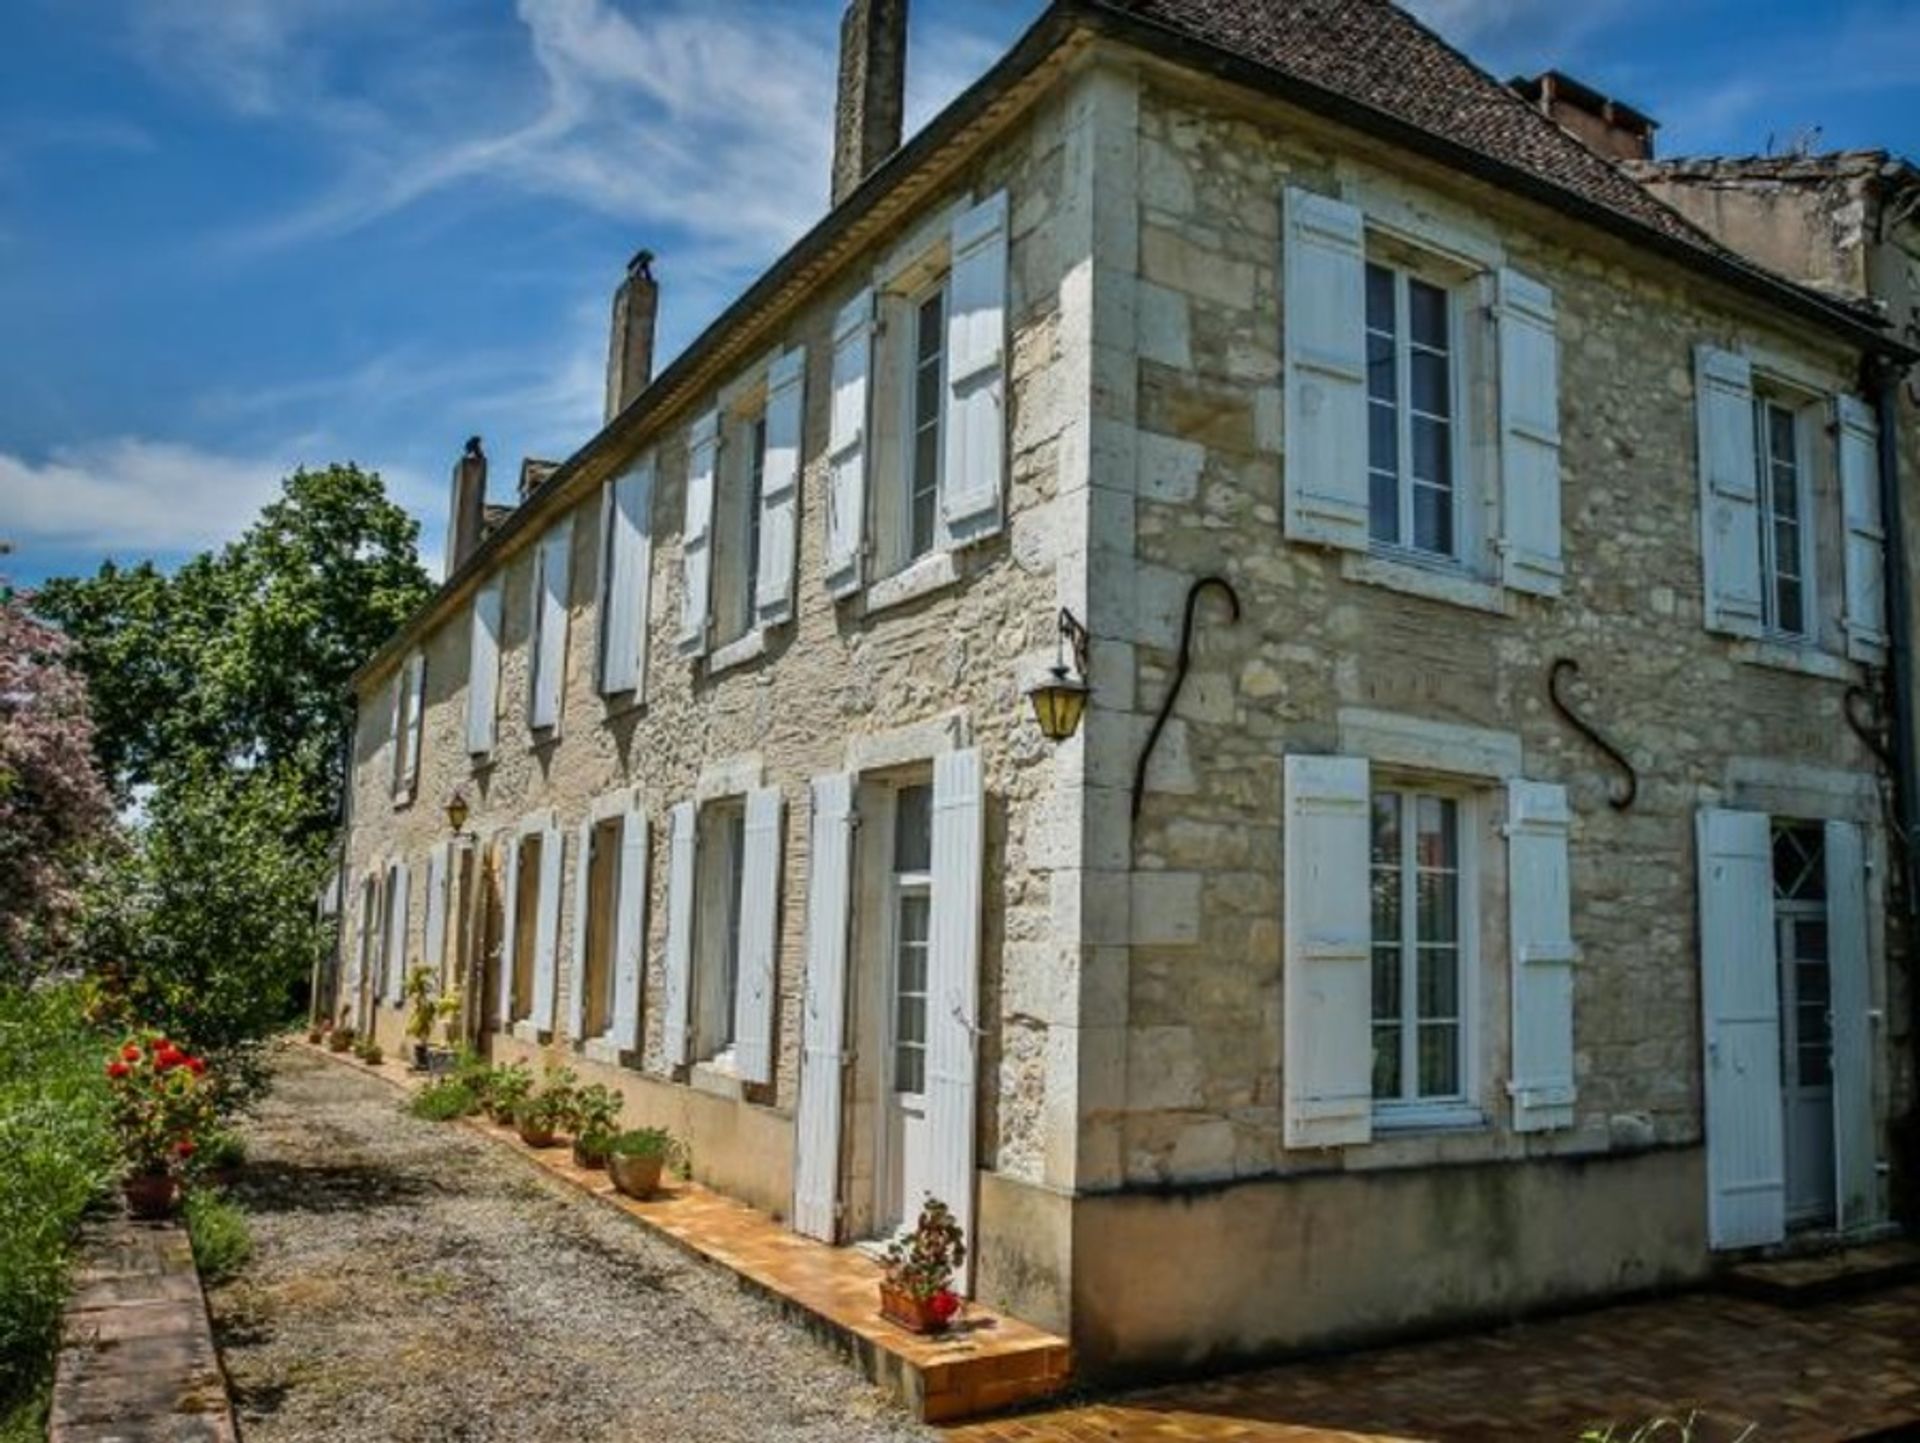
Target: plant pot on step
[635,1176]
[150,1194]
[589,1155]
[915,1314]
[421,1054]
[339,1041]
[535,1134]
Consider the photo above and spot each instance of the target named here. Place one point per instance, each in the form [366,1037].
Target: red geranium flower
[167,1061]
[130,1052]
[116,1068]
[943,1304]
[184,1147]
[197,1065]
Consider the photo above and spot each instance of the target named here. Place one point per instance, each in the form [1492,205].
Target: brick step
[1802,1281]
[986,1363]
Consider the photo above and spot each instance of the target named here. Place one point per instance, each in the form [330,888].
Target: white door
[1806,1020]
[905,1178]
[1740,1005]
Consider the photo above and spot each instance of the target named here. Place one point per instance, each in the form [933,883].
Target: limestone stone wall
[1181,1082]
[834,676]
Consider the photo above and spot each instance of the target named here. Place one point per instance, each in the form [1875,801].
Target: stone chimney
[1603,125]
[868,119]
[630,349]
[467,518]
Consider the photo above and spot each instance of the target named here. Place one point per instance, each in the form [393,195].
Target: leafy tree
[53,804]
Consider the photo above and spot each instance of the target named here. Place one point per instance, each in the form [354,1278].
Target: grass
[444,1100]
[222,1242]
[56,1134]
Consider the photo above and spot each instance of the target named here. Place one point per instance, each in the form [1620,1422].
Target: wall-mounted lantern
[1060,698]
[457,812]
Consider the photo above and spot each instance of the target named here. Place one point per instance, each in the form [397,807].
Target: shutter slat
[780,488]
[550,599]
[1729,491]
[1325,467]
[696,533]
[679,971]
[759,937]
[1866,546]
[577,962]
[630,937]
[1327,1067]
[627,564]
[847,446]
[816,1164]
[953,988]
[1856,1157]
[483,669]
[1740,997]
[546,941]
[972,480]
[1530,558]
[1541,920]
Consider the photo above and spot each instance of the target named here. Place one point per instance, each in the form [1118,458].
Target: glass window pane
[1386,982]
[1810,944]
[1431,387]
[1439,1059]
[913,829]
[1383,439]
[1386,1061]
[1380,301]
[1790,606]
[930,338]
[909,1069]
[1438,900]
[1427,307]
[1435,841]
[1383,381]
[1432,451]
[1439,982]
[1383,507]
[1433,520]
[1816,1066]
[1386,828]
[1780,429]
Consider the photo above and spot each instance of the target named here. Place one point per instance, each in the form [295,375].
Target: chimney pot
[467,517]
[871,111]
[1605,126]
[636,304]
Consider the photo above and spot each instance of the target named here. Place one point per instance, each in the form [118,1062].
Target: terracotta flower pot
[589,1157]
[150,1194]
[635,1176]
[916,1315]
[534,1136]
[338,1041]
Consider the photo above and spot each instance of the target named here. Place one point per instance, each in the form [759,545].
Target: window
[1784,549]
[603,909]
[721,874]
[1418,949]
[925,391]
[756,490]
[526,926]
[1411,370]
[912,901]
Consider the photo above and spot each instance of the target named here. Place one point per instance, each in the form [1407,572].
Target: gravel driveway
[413,1281]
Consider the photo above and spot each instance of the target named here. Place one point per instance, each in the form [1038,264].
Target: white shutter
[1740,1000]
[1325,467]
[577,962]
[1540,914]
[483,669]
[975,463]
[550,598]
[1866,556]
[1529,436]
[680,903]
[546,928]
[396,968]
[953,986]
[626,578]
[436,920]
[759,937]
[509,928]
[396,733]
[413,723]
[816,1144]
[696,532]
[847,446]
[780,488]
[1328,1064]
[1729,491]
[1856,1158]
[630,930]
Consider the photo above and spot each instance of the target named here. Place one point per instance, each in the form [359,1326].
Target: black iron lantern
[457,812]
[1059,699]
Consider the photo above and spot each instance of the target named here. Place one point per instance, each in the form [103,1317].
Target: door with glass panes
[909,894]
[1806,1025]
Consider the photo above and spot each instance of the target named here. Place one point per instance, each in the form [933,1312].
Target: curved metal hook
[1566,666]
[1180,675]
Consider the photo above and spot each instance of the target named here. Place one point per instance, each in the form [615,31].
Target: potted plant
[340,1039]
[369,1051]
[507,1087]
[594,1117]
[635,1159]
[317,1033]
[916,1290]
[161,1099]
[541,1116]
[425,1006]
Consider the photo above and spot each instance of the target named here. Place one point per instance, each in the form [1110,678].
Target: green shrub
[56,1134]
[444,1100]
[644,1142]
[222,1242]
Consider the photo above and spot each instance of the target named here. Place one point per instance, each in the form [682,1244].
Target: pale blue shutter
[1866,539]
[546,939]
[972,480]
[626,579]
[1325,467]
[1540,914]
[509,928]
[1529,436]
[696,532]
[1856,1157]
[582,908]
[549,668]
[816,1151]
[1729,491]
[847,446]
[759,937]
[780,488]
[630,934]
[400,879]
[436,919]
[680,903]
[483,669]
[953,985]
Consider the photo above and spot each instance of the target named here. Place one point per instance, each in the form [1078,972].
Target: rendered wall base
[1023,1264]
[1177,1281]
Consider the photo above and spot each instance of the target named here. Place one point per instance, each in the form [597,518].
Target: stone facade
[1134,1184]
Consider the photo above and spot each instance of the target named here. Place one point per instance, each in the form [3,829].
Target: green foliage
[222,1241]
[924,1261]
[1656,1430]
[594,1112]
[507,1087]
[57,1139]
[444,1100]
[644,1142]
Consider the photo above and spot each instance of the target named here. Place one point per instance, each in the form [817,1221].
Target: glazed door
[904,1176]
[1806,1064]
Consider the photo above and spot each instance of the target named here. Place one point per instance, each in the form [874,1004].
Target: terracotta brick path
[1837,1371]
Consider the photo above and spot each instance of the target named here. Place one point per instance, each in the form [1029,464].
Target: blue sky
[241,235]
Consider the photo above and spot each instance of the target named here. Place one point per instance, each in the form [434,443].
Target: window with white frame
[925,395]
[742,471]
[720,877]
[912,912]
[1421,948]
[1786,540]
[1412,381]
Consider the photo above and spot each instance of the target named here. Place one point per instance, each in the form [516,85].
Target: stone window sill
[403,799]
[602,1049]
[615,705]
[1454,587]
[925,577]
[1454,1117]
[1795,657]
[526,1031]
[717,1076]
[742,649]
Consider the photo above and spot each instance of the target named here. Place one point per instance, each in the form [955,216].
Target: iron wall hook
[1180,675]
[1566,666]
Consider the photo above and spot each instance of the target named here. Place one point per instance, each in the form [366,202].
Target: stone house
[1478,903]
